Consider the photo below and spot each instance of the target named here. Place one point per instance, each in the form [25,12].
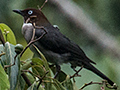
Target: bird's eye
[30,12]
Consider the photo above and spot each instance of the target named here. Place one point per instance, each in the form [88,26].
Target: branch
[76,73]
[76,14]
[42,78]
[26,79]
[32,39]
[90,83]
[103,83]
[2,38]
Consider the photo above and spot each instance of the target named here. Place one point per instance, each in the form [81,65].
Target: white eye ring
[30,12]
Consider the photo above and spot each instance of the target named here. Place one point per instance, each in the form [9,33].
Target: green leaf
[33,86]
[45,63]
[43,58]
[13,71]
[30,77]
[67,83]
[61,76]
[37,61]
[21,84]
[3,57]
[27,65]
[38,67]
[58,85]
[8,34]
[4,82]
[74,86]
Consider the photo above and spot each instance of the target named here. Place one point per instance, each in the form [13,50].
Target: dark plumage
[56,47]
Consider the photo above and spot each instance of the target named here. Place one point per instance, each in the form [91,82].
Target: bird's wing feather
[58,43]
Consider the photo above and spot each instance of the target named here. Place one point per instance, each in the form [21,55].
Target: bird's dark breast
[51,47]
[55,46]
[60,58]
[51,56]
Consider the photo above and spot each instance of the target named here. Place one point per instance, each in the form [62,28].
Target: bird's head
[33,16]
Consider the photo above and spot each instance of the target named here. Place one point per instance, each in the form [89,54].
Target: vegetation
[104,13]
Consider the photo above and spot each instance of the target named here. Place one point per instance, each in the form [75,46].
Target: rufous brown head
[33,16]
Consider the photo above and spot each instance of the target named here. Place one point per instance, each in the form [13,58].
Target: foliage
[36,70]
[4,83]
[32,74]
[105,12]
[8,37]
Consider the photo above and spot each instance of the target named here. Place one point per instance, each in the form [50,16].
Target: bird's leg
[76,73]
[58,70]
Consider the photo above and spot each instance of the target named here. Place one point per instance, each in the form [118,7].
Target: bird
[55,46]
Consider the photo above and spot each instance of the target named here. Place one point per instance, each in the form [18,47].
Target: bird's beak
[19,12]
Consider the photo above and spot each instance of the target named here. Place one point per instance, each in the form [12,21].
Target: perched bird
[56,47]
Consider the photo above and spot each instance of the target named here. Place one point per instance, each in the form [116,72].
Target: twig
[42,5]
[2,53]
[26,79]
[112,87]
[2,38]
[58,70]
[42,79]
[6,66]
[32,39]
[90,83]
[104,83]
[76,74]
[31,42]
[41,27]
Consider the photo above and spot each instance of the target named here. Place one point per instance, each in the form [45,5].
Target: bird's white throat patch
[27,24]
[27,30]
[26,27]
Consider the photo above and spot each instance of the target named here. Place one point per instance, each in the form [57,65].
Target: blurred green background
[106,13]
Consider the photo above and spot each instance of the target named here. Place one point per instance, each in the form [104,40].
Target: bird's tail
[96,71]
